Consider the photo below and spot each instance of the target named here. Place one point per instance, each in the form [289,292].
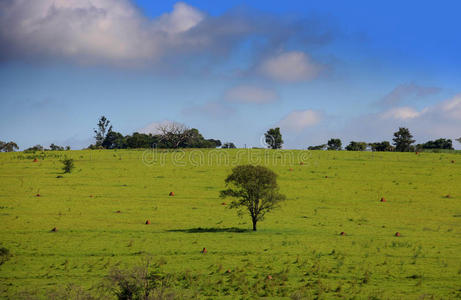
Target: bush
[68,165]
[4,255]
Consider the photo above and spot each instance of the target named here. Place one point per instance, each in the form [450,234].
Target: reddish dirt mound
[416,153]
[223,203]
[117,212]
[397,234]
[448,196]
[290,169]
[301,163]
[383,199]
[38,195]
[91,196]
[35,160]
[326,176]
[147,222]
[171,194]
[342,233]
[54,229]
[269,277]
[452,161]
[204,251]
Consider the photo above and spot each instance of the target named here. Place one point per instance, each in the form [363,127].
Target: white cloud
[400,113]
[116,32]
[290,66]
[250,94]
[301,119]
[93,31]
[153,127]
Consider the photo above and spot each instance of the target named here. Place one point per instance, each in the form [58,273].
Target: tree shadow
[211,229]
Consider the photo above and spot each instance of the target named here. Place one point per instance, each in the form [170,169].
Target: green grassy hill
[299,245]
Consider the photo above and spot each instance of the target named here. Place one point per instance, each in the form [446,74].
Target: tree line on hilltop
[176,135]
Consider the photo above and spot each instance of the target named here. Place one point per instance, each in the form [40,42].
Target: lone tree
[274,138]
[104,128]
[256,190]
[68,165]
[334,144]
[403,140]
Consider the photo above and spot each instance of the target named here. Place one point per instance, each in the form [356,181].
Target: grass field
[299,245]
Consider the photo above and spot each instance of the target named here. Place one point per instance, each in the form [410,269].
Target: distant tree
[114,140]
[2,144]
[459,140]
[274,138]
[35,148]
[68,165]
[9,147]
[356,146]
[256,190]
[173,134]
[54,147]
[437,144]
[319,147]
[104,128]
[334,144]
[381,146]
[403,140]
[228,145]
[67,148]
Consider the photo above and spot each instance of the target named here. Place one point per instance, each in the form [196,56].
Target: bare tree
[173,134]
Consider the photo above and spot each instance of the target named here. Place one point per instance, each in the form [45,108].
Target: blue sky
[317,69]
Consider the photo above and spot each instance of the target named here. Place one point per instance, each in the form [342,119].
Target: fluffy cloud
[290,66]
[404,91]
[116,32]
[300,120]
[250,94]
[400,113]
[91,31]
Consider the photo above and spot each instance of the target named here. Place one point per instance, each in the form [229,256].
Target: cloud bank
[116,32]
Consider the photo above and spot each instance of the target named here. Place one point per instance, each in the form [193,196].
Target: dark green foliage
[256,190]
[403,140]
[35,148]
[68,165]
[437,144]
[356,146]
[8,147]
[54,147]
[382,146]
[193,139]
[228,145]
[138,283]
[274,138]
[319,147]
[4,255]
[115,140]
[334,144]
[104,128]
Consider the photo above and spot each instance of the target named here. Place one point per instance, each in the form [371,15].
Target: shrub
[68,165]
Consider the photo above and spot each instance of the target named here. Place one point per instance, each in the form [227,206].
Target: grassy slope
[299,245]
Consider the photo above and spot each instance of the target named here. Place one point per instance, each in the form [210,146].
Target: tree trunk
[254,224]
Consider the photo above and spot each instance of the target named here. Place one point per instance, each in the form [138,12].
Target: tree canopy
[255,189]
